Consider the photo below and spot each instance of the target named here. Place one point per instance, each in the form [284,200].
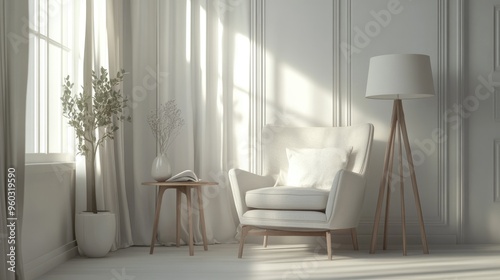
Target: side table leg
[178,217]
[190,220]
[202,220]
[157,218]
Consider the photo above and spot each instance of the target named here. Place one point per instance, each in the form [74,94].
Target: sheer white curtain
[197,52]
[13,82]
[140,58]
[103,48]
[112,153]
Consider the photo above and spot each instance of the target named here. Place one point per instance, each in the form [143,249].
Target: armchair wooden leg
[329,244]
[244,232]
[354,236]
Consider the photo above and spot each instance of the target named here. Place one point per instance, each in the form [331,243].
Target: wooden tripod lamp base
[398,129]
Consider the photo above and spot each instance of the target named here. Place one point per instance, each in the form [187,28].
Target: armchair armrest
[242,181]
[345,201]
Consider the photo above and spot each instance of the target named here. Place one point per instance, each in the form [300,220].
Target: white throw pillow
[315,167]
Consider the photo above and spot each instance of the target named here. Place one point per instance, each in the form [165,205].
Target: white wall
[482,118]
[299,62]
[48,221]
[316,61]
[383,27]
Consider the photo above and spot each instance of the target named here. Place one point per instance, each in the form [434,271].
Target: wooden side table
[185,188]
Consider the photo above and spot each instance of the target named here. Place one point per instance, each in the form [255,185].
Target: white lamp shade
[400,76]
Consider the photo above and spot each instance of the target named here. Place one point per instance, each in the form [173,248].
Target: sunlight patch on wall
[188,31]
[241,103]
[295,85]
[241,63]
[298,99]
[380,121]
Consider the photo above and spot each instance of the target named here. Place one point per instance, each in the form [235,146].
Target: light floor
[283,262]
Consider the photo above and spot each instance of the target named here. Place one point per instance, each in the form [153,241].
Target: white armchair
[293,197]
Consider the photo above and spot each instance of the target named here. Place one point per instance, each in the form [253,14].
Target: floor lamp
[396,77]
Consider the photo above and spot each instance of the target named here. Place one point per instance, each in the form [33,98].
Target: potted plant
[94,114]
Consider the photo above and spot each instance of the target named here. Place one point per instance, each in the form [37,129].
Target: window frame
[43,12]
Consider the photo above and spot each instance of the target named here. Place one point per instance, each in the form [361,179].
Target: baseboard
[49,261]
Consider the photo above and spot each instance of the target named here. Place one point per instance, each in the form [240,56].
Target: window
[52,57]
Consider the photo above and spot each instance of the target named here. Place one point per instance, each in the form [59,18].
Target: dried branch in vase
[166,124]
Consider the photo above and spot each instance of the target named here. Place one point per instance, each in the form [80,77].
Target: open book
[186,175]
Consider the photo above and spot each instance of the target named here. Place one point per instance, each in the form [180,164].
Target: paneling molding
[449,91]
[442,84]
[347,98]
[442,217]
[342,63]
[344,95]
[496,105]
[257,81]
[496,60]
[460,84]
[496,47]
[337,56]
[496,166]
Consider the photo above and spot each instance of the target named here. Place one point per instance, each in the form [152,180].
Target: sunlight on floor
[283,262]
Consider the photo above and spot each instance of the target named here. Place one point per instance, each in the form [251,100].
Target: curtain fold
[140,58]
[112,159]
[103,49]
[14,53]
[198,53]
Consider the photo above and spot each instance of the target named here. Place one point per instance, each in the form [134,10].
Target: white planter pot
[161,170]
[95,233]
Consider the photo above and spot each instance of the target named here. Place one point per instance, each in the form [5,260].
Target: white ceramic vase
[161,170]
[95,233]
